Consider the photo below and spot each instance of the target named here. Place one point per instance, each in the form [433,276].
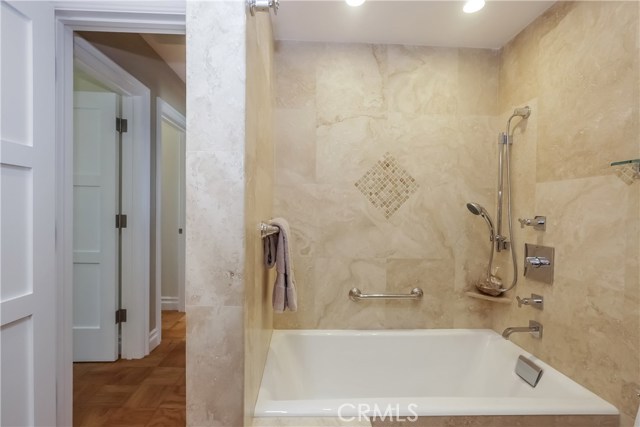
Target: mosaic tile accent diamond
[387,185]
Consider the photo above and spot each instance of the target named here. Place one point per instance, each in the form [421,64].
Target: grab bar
[268,229]
[356,294]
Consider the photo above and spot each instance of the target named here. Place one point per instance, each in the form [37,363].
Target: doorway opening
[171,199]
[111,208]
[129,352]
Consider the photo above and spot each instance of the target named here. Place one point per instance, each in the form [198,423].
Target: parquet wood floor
[136,393]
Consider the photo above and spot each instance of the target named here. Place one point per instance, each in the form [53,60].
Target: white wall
[82,82]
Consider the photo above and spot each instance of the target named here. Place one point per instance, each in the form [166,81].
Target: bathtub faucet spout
[534,328]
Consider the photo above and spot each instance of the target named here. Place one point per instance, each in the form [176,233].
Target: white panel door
[183,220]
[27,224]
[173,213]
[95,237]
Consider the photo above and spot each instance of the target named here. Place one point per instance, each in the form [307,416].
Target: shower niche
[539,263]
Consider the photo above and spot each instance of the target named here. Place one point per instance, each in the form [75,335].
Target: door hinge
[121,316]
[121,125]
[121,221]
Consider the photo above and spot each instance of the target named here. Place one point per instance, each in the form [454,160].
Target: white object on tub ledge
[444,372]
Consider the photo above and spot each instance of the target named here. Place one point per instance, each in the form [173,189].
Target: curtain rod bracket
[262,6]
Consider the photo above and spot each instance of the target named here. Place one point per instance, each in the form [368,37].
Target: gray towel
[269,244]
[284,290]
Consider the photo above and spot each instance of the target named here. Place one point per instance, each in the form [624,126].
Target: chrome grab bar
[356,294]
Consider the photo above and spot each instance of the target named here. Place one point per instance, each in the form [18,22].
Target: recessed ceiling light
[472,6]
[355,3]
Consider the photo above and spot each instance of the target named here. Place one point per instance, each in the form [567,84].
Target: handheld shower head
[477,209]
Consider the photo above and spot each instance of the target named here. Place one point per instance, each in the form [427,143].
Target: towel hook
[268,229]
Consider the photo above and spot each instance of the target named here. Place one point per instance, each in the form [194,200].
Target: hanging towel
[284,290]
[269,244]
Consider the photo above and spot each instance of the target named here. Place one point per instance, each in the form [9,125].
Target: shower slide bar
[268,229]
[356,294]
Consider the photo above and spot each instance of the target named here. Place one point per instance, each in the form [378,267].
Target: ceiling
[171,48]
[428,23]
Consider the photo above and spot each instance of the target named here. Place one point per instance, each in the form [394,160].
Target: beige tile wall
[429,112]
[437,112]
[230,171]
[259,167]
[577,66]
[506,421]
[339,110]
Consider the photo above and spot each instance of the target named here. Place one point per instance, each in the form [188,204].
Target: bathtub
[440,372]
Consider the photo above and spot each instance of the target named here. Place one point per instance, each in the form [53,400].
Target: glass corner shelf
[626,162]
[628,170]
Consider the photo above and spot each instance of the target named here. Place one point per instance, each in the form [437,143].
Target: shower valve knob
[538,222]
[537,262]
[536,301]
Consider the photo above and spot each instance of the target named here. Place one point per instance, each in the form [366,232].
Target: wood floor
[143,392]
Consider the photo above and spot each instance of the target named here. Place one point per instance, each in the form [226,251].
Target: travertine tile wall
[230,170]
[259,167]
[433,114]
[577,66]
[216,186]
[340,109]
[378,149]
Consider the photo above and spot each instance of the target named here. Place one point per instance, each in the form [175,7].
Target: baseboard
[170,303]
[154,339]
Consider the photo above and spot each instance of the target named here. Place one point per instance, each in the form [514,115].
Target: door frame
[113,16]
[164,111]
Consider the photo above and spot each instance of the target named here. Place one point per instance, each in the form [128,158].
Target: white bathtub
[414,372]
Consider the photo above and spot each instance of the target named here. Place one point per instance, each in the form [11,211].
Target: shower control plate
[539,263]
